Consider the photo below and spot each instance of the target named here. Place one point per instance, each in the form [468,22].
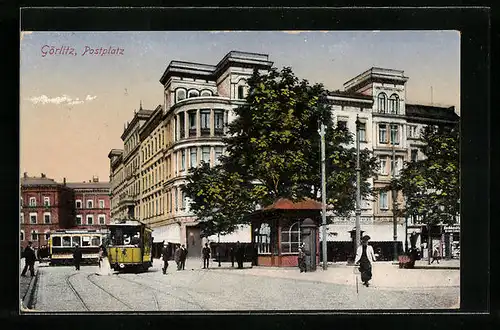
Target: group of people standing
[180,256]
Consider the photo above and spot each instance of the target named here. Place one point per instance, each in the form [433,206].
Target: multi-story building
[91,203]
[45,205]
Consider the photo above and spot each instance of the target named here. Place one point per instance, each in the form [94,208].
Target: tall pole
[323,195]
[358,188]
[394,215]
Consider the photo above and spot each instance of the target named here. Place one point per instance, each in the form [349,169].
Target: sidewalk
[27,286]
[443,264]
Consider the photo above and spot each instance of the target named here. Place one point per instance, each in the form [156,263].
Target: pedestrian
[231,255]
[365,257]
[435,255]
[206,256]
[177,257]
[29,260]
[101,255]
[77,257]
[164,256]
[183,256]
[240,254]
[301,259]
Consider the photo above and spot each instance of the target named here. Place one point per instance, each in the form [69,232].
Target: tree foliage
[431,186]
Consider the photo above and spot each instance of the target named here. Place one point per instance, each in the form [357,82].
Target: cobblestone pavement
[63,289]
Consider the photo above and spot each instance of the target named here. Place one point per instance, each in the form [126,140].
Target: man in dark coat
[206,255]
[77,257]
[177,257]
[183,257]
[240,254]
[29,260]
[165,256]
[231,254]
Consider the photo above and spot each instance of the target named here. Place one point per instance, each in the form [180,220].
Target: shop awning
[169,234]
[243,234]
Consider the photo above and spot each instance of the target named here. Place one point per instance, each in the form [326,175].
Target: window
[218,153]
[96,241]
[22,218]
[394,104]
[34,236]
[205,122]
[33,218]
[383,200]
[22,236]
[182,124]
[102,219]
[192,123]
[183,159]
[85,240]
[21,202]
[176,198]
[180,95]
[219,122]
[32,201]
[46,201]
[362,132]
[241,90]
[46,218]
[56,241]
[206,93]
[193,157]
[78,220]
[382,100]
[290,238]
[193,94]
[394,134]
[383,165]
[90,204]
[183,196]
[90,219]
[78,204]
[205,154]
[263,239]
[414,155]
[342,124]
[412,131]
[101,203]
[76,240]
[382,133]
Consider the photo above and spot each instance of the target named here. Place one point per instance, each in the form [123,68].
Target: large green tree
[431,186]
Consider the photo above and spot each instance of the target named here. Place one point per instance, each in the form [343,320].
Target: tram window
[96,241]
[76,240]
[66,241]
[56,241]
[85,240]
[126,239]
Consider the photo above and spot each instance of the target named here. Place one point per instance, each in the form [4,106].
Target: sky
[73,107]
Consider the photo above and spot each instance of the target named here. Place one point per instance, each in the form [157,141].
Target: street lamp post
[358,188]
[323,196]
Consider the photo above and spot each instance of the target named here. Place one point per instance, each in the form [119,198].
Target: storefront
[169,234]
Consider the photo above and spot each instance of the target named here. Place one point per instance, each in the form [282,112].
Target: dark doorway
[193,241]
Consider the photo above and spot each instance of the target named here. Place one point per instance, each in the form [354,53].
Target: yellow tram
[62,243]
[129,245]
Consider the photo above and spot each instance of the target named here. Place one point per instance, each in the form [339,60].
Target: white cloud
[64,99]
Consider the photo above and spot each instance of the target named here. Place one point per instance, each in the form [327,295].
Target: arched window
[206,93]
[22,236]
[290,238]
[180,94]
[382,100]
[394,104]
[193,93]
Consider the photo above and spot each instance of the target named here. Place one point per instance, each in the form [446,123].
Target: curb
[29,300]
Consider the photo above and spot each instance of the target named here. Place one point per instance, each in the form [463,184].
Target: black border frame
[474,25]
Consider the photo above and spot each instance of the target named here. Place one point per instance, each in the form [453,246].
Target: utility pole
[323,195]
[358,188]
[394,215]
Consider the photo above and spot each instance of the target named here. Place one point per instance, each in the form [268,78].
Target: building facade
[91,203]
[45,205]
[161,145]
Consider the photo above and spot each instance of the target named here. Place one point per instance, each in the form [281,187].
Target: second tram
[62,244]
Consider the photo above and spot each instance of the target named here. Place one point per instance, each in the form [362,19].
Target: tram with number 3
[129,245]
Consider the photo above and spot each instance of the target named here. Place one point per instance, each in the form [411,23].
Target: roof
[286,204]
[38,181]
[89,185]
[431,112]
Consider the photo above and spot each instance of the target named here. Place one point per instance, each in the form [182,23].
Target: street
[63,289]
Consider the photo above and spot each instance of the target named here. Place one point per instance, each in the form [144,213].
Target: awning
[169,234]
[243,234]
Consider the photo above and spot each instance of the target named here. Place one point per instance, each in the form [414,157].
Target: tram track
[75,292]
[107,292]
[153,289]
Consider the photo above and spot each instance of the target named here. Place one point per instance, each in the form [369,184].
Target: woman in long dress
[365,256]
[104,267]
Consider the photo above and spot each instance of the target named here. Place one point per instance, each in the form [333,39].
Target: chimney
[25,175]
[43,175]
[64,181]
[95,179]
